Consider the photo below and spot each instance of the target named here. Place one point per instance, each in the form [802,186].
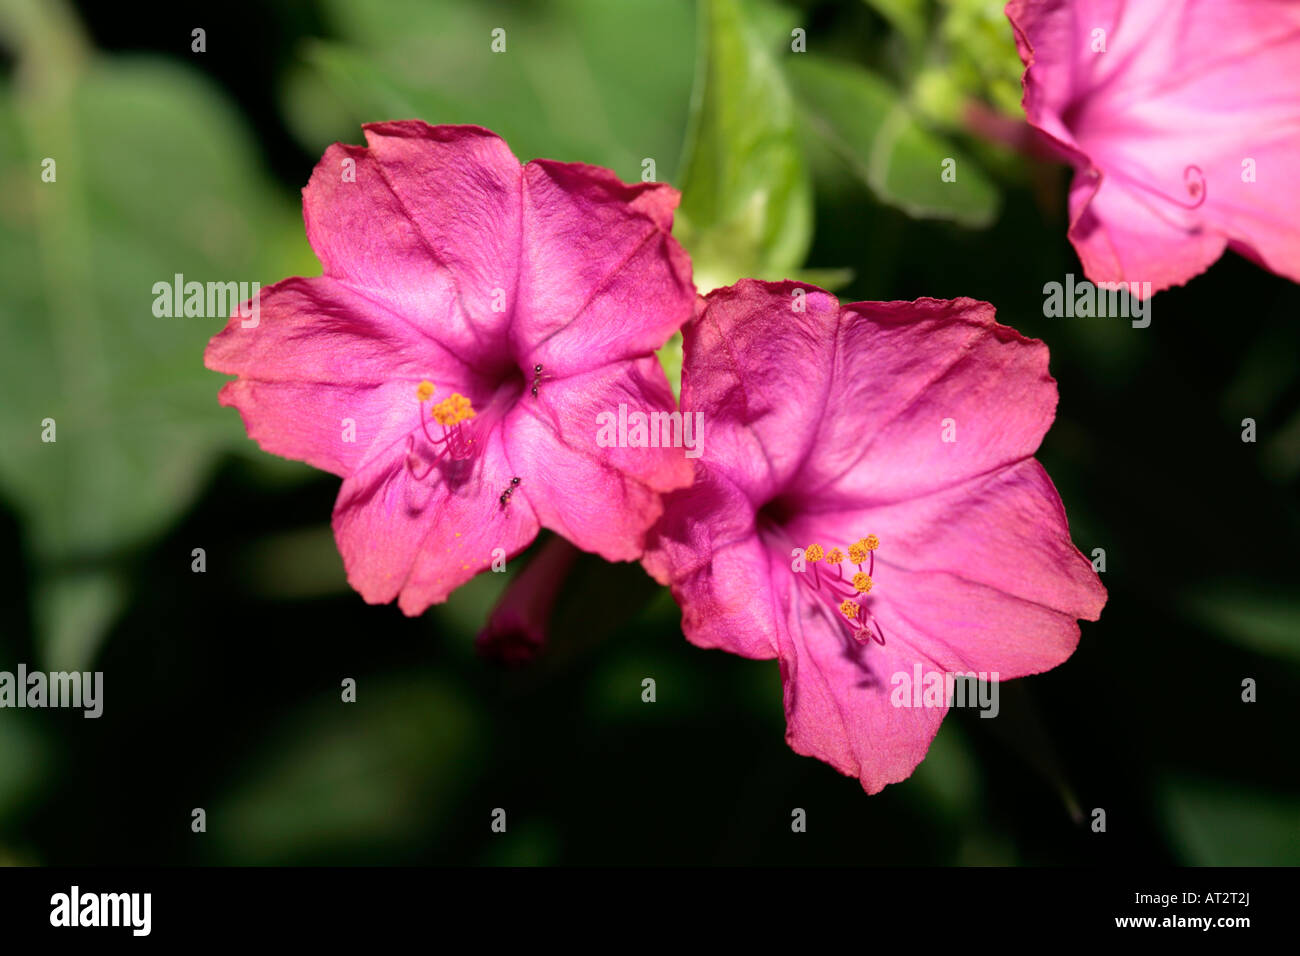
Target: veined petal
[926,394]
[981,575]
[837,700]
[708,551]
[326,377]
[759,359]
[603,280]
[418,540]
[603,499]
[1183,119]
[431,225]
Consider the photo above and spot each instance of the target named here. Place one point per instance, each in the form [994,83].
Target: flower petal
[707,550]
[599,255]
[837,700]
[322,356]
[418,539]
[929,393]
[1185,129]
[979,576]
[431,225]
[758,364]
[603,499]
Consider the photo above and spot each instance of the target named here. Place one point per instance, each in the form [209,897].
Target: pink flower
[889,446]
[1182,120]
[474,317]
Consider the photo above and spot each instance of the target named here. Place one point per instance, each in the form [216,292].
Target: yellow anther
[861,583]
[871,542]
[453,409]
[850,609]
[857,553]
[813,552]
[424,391]
[834,556]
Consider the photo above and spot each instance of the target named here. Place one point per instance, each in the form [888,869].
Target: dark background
[222,688]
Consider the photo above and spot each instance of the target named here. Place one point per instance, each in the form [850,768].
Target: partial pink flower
[889,447]
[474,317]
[1182,120]
[518,628]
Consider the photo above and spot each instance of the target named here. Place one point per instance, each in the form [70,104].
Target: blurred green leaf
[981,52]
[867,123]
[1266,623]
[26,759]
[908,17]
[154,177]
[303,563]
[574,81]
[746,191]
[949,776]
[670,357]
[74,610]
[828,279]
[340,777]
[1214,824]
[531,843]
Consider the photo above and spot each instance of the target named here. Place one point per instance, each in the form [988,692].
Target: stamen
[881,638]
[846,594]
[411,459]
[1193,182]
[453,410]
[451,413]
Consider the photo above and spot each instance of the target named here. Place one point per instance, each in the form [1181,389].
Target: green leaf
[981,56]
[908,17]
[349,777]
[74,610]
[949,776]
[1216,824]
[1266,623]
[868,124]
[746,191]
[27,761]
[828,279]
[670,356]
[573,82]
[153,176]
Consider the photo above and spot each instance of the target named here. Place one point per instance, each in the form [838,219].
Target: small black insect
[505,495]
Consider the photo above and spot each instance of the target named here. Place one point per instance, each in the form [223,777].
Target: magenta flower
[887,449]
[474,317]
[1182,121]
